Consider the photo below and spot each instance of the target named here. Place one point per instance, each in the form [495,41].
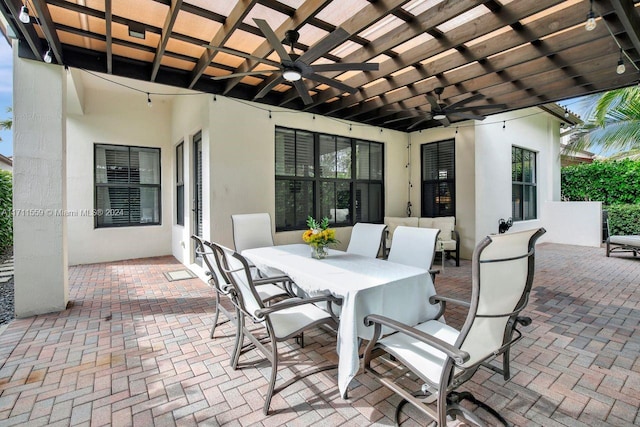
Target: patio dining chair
[444,358]
[415,247]
[366,239]
[251,231]
[282,320]
[219,281]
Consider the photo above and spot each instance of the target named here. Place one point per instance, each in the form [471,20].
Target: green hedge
[612,183]
[6,205]
[624,219]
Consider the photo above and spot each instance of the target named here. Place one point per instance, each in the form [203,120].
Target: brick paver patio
[134,349]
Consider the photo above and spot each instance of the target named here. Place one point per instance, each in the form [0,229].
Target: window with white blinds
[127,186]
[327,176]
[438,178]
[523,188]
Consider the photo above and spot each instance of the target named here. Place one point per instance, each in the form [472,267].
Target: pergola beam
[167,28]
[239,12]
[48,28]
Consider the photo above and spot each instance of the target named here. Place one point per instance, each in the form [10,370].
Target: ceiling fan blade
[272,39]
[331,82]
[400,119]
[466,115]
[345,66]
[434,103]
[466,100]
[248,73]
[445,122]
[483,107]
[302,90]
[422,120]
[333,39]
[242,54]
[268,87]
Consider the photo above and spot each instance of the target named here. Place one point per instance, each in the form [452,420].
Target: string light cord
[269,110]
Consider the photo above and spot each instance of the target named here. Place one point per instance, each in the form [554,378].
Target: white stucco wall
[465,177]
[39,191]
[189,115]
[122,118]
[531,129]
[238,141]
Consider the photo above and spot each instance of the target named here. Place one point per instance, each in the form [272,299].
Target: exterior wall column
[39,187]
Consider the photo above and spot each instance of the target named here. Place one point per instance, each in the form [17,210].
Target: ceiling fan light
[291,75]
[439,116]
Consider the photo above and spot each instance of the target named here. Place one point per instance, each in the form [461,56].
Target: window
[439,179]
[327,176]
[180,184]
[523,187]
[127,186]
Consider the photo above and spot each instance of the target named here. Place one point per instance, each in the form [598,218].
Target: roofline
[6,160]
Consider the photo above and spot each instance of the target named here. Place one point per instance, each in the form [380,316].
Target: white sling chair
[366,239]
[282,320]
[254,231]
[443,357]
[415,247]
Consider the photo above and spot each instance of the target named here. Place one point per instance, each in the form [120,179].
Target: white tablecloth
[366,285]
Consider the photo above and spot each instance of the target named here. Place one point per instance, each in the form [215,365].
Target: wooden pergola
[511,52]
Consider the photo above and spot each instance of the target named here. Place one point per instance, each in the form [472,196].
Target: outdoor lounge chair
[444,358]
[630,243]
[282,320]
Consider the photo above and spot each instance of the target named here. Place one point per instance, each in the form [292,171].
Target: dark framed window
[180,184]
[327,176]
[127,186]
[438,178]
[524,203]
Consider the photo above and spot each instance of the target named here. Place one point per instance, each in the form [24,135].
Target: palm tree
[612,122]
[6,123]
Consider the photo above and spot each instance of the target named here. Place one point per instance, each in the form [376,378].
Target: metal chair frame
[262,316]
[454,374]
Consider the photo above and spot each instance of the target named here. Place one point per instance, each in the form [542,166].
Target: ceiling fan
[442,112]
[293,67]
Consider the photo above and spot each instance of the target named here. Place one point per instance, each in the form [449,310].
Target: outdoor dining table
[366,286]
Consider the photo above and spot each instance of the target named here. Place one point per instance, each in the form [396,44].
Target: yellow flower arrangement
[319,234]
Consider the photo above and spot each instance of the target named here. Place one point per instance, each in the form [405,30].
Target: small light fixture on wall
[149,104]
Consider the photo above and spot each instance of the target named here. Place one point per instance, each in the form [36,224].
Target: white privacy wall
[121,118]
[533,130]
[241,158]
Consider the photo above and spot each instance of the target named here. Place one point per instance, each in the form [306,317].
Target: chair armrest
[292,302]
[434,299]
[456,237]
[456,354]
[271,280]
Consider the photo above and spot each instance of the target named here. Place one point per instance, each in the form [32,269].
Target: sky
[6,94]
